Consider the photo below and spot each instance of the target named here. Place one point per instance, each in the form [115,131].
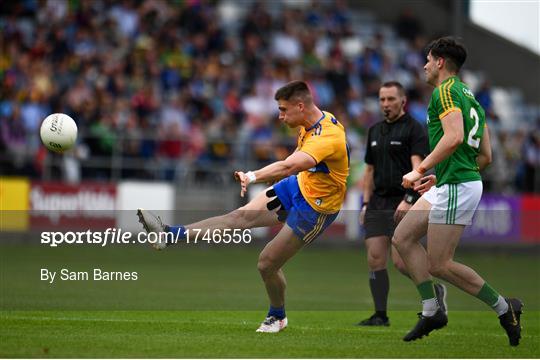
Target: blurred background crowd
[183,90]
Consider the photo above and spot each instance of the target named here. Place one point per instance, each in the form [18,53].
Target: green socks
[491,297]
[426,290]
[429,303]
[488,295]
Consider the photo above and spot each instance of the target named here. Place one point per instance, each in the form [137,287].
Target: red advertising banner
[59,206]
[530,214]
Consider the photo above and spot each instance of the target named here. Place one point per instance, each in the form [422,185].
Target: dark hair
[396,84]
[449,49]
[295,90]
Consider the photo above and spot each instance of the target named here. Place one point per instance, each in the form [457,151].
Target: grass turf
[207,302]
[210,334]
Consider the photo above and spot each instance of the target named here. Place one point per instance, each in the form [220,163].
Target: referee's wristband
[411,198]
[251,176]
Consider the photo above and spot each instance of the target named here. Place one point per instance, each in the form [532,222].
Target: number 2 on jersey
[475,143]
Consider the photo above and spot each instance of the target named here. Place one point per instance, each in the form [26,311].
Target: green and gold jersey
[453,95]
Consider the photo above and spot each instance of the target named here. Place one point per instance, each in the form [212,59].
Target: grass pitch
[211,334]
[207,302]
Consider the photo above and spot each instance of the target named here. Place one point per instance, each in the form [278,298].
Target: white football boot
[272,325]
[153,223]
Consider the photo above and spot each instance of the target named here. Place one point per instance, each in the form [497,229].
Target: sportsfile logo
[110,236]
[117,236]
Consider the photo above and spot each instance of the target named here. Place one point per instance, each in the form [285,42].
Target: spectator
[484,97]
[531,162]
[13,140]
[408,26]
[143,64]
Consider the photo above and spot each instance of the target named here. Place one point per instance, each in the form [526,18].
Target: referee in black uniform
[395,146]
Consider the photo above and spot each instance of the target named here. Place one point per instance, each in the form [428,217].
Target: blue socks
[176,230]
[277,312]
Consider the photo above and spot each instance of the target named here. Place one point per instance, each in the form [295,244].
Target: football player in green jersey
[460,148]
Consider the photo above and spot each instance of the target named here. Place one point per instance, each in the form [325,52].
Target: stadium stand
[183,90]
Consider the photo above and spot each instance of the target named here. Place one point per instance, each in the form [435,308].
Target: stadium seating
[184,92]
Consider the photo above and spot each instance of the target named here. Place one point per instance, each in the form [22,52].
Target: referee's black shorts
[379,218]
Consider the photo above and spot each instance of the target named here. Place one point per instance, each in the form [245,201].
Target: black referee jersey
[389,149]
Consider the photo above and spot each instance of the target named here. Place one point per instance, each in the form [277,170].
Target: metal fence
[207,168]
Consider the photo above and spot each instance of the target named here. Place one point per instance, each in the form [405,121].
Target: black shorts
[379,218]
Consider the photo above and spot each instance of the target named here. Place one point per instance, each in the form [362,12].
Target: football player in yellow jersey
[307,198]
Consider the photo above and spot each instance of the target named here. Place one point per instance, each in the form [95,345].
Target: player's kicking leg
[272,258]
[255,214]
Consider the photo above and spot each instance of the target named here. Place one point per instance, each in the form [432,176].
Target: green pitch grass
[210,334]
[206,302]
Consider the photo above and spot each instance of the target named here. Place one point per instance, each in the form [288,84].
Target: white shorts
[454,203]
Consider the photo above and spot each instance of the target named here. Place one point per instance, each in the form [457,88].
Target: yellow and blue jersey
[324,185]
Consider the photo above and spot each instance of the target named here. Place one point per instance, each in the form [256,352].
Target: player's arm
[416,160]
[410,194]
[295,163]
[452,125]
[484,157]
[368,183]
[426,183]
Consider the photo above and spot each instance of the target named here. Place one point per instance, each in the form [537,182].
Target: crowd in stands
[189,84]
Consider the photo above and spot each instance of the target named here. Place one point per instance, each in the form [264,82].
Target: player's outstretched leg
[511,321]
[153,224]
[253,214]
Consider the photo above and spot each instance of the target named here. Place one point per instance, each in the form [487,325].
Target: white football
[58,132]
